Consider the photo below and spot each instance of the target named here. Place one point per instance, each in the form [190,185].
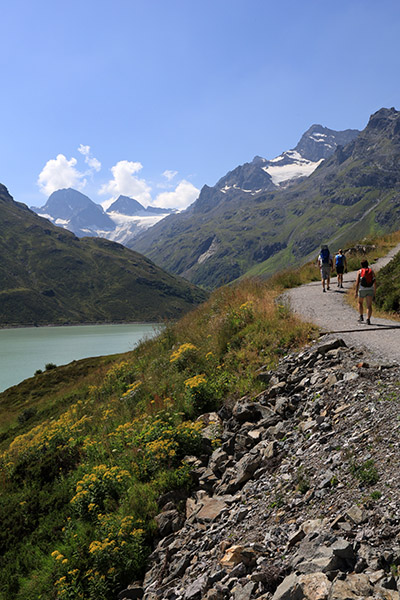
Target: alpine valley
[49,275]
[267,215]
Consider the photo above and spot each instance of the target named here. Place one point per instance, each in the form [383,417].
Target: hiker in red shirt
[365,288]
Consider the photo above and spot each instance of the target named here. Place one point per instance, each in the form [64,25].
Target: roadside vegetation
[89,449]
[371,248]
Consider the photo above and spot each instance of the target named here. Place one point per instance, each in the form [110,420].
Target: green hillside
[388,291]
[90,449]
[48,275]
[354,193]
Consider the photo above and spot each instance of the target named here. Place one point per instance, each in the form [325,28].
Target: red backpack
[366,277]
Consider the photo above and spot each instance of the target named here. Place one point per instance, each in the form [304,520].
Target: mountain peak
[126,206]
[384,118]
[319,142]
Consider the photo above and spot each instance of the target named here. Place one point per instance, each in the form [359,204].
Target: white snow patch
[297,169]
[317,139]
[277,159]
[62,222]
[144,222]
[49,217]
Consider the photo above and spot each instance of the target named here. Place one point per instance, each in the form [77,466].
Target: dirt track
[332,314]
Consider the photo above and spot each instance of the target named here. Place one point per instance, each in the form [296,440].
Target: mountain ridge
[76,212]
[49,275]
[352,193]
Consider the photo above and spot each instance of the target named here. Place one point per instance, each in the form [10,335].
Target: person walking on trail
[365,288]
[341,266]
[325,263]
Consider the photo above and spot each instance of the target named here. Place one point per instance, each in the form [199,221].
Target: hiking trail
[333,315]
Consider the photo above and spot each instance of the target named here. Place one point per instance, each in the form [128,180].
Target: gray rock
[289,589]
[211,509]
[168,522]
[218,460]
[197,589]
[246,467]
[356,514]
[243,592]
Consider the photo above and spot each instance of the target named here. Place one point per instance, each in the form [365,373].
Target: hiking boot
[328,288]
[368,322]
[361,319]
[324,290]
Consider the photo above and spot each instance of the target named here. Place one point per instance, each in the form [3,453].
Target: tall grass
[370,248]
[82,486]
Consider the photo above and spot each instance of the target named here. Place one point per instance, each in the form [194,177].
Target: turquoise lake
[23,351]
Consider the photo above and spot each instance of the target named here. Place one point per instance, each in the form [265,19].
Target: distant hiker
[341,266]
[325,263]
[365,288]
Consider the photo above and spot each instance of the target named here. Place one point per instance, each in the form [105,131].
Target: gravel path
[333,315]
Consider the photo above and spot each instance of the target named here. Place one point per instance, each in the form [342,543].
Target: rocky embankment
[302,497]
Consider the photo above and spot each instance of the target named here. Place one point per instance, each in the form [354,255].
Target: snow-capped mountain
[123,220]
[315,145]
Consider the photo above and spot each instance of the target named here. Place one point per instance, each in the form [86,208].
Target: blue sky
[155,98]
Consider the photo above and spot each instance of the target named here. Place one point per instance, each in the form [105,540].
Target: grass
[308,272]
[55,277]
[88,449]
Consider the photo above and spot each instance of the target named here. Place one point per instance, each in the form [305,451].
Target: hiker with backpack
[325,263]
[365,288]
[341,266]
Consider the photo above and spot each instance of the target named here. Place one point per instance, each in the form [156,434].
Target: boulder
[237,554]
[168,522]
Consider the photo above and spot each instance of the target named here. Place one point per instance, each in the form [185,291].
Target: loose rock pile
[302,497]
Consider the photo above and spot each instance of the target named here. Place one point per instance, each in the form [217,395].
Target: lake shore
[83,324]
[24,350]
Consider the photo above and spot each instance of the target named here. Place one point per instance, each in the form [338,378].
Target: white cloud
[59,173]
[169,175]
[126,183]
[85,150]
[184,194]
[89,160]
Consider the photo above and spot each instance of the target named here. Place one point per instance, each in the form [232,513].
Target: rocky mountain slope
[227,233]
[301,498]
[124,219]
[48,275]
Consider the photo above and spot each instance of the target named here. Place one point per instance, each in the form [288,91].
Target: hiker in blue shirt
[341,266]
[325,263]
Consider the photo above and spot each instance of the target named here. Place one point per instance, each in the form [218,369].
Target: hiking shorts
[325,271]
[364,292]
[340,270]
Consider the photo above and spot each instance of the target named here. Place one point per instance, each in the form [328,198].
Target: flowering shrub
[132,389]
[95,488]
[160,443]
[93,571]
[118,378]
[242,316]
[47,449]
[183,356]
[200,393]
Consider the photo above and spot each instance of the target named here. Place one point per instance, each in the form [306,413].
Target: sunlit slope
[353,193]
[48,275]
